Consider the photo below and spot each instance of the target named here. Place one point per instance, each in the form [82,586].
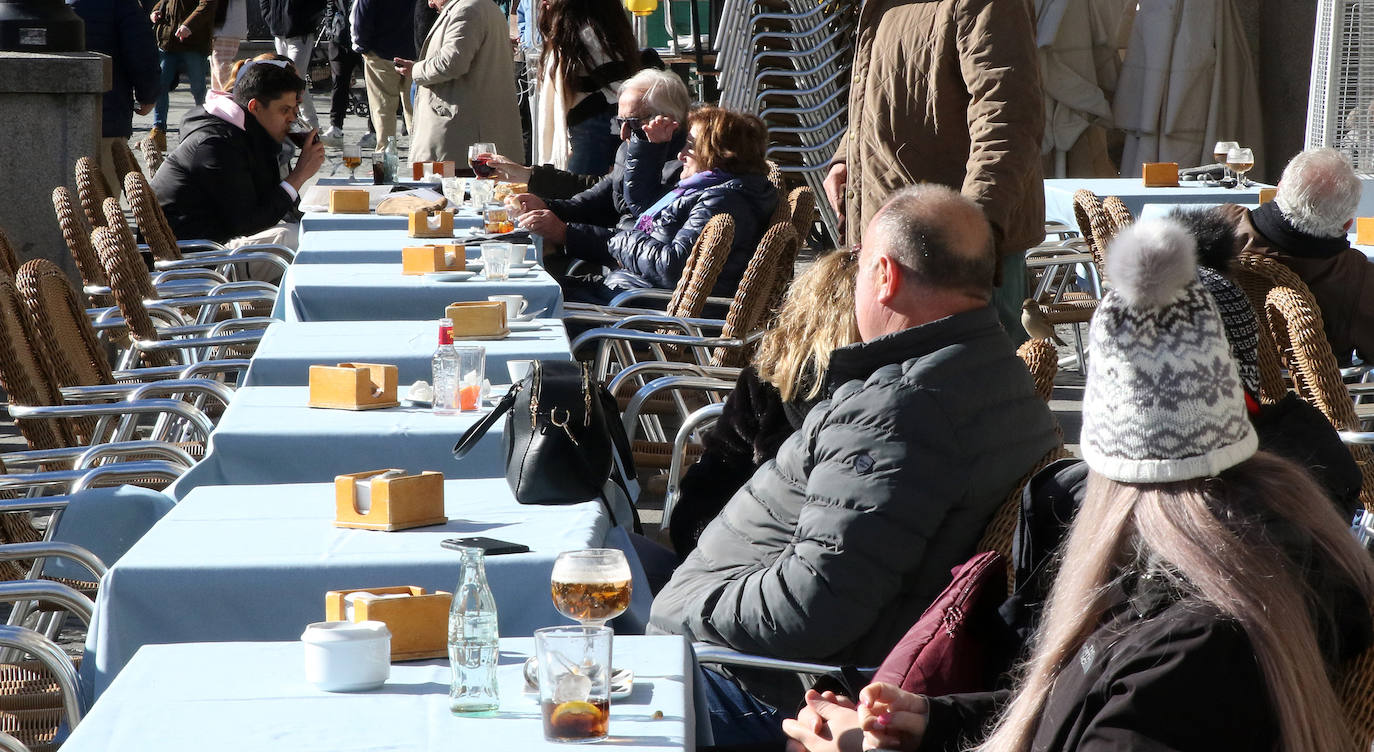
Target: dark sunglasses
[635,123]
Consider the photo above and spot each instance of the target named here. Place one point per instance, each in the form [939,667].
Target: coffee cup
[343,656]
[518,369]
[515,304]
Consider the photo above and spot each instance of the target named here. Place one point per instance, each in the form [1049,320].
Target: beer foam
[573,571]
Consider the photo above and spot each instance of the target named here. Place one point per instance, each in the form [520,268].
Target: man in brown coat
[948,91]
[1305,227]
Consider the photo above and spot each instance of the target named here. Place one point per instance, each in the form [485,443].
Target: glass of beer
[352,159]
[1240,161]
[1219,152]
[591,585]
[574,682]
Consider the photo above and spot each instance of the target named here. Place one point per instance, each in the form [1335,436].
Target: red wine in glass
[481,168]
[299,138]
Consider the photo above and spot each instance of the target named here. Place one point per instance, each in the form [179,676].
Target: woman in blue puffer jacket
[724,172]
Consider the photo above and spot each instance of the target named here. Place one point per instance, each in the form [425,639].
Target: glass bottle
[444,371]
[473,645]
[392,159]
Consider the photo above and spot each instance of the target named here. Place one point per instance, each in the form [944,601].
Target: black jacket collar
[860,360]
[1283,235]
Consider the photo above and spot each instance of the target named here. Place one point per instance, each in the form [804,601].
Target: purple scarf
[698,182]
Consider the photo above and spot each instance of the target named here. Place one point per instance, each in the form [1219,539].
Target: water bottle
[444,370]
[392,159]
[472,639]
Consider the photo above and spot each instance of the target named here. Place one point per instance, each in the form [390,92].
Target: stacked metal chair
[789,62]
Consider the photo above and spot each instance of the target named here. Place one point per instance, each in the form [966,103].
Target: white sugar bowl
[345,656]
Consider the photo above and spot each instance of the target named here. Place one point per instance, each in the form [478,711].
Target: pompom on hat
[1163,401]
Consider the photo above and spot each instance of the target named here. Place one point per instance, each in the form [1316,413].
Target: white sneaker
[368,141]
[332,136]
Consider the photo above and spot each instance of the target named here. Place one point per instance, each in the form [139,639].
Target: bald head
[940,237]
[927,254]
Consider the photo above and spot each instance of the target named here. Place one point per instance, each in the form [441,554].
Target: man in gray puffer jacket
[832,550]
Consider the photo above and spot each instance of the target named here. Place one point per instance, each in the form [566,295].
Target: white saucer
[524,326]
[451,276]
[518,272]
[524,317]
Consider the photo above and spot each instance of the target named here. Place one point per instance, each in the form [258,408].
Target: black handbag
[563,432]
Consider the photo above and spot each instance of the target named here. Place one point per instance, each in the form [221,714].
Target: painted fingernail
[884,719]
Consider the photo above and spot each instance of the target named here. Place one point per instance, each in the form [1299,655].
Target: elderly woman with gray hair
[1305,228]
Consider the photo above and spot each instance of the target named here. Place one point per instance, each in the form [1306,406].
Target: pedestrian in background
[384,30]
[293,23]
[343,61]
[231,27]
[183,29]
[119,29]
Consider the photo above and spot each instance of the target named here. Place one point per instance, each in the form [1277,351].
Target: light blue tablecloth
[287,351]
[313,222]
[268,434]
[1059,195]
[374,245]
[253,696]
[379,292]
[254,562]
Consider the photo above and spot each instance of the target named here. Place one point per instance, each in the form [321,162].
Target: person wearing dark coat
[224,182]
[292,24]
[120,29]
[1207,593]
[772,396]
[833,548]
[184,29]
[724,172]
[383,31]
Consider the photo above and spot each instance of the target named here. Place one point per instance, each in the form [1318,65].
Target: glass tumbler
[496,261]
[472,362]
[574,682]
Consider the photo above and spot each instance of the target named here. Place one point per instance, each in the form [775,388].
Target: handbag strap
[480,428]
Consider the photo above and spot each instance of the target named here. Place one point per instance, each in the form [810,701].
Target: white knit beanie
[1163,401]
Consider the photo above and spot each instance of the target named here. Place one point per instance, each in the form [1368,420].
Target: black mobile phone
[490,546]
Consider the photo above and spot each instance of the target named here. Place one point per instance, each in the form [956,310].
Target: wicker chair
[769,270]
[1257,275]
[152,156]
[9,260]
[124,160]
[1043,362]
[802,202]
[1119,217]
[77,232]
[1356,690]
[90,188]
[24,375]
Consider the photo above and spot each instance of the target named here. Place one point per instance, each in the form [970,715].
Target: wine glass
[591,585]
[1219,152]
[1240,161]
[352,158]
[480,168]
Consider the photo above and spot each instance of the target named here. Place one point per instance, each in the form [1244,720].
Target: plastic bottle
[473,644]
[444,371]
[392,159]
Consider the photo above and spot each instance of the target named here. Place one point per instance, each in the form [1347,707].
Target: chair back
[9,260]
[90,188]
[65,336]
[775,256]
[802,202]
[1119,217]
[129,282]
[1043,362]
[124,160]
[152,223]
[23,374]
[153,157]
[703,267]
[1257,275]
[1088,211]
[1001,529]
[77,232]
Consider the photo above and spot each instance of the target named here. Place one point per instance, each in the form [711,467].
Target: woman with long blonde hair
[1207,592]
[773,395]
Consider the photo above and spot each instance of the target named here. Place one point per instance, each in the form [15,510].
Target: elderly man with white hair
[1305,227]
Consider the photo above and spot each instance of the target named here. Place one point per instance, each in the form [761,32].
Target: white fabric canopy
[1079,66]
[1187,82]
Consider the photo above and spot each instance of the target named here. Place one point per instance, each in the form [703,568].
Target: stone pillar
[51,103]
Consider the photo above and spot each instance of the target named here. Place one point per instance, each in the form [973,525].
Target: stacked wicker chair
[152,156]
[124,160]
[9,261]
[77,233]
[90,188]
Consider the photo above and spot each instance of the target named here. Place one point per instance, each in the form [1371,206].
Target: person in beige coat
[948,92]
[466,80]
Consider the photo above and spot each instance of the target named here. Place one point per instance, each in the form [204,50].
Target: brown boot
[158,138]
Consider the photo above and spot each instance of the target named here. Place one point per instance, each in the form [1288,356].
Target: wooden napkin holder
[418,623]
[353,386]
[1364,231]
[1159,174]
[397,503]
[348,201]
[441,225]
[1267,194]
[478,319]
[442,169]
[424,259]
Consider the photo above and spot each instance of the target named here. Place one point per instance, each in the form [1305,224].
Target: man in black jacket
[835,547]
[293,23]
[224,182]
[120,29]
[384,30]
